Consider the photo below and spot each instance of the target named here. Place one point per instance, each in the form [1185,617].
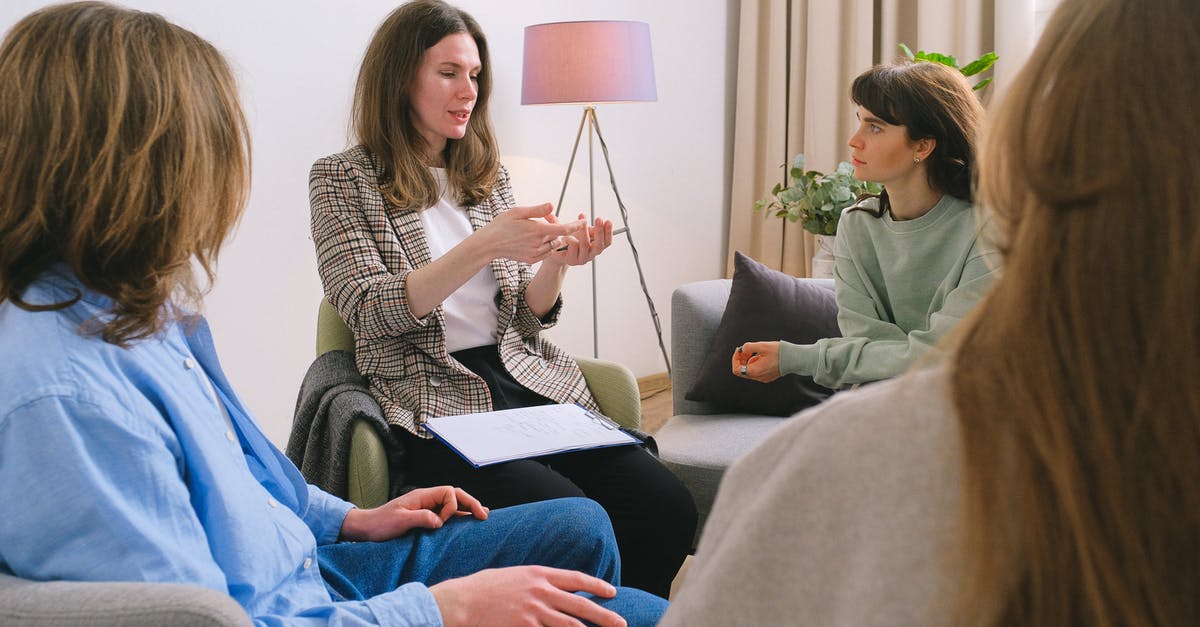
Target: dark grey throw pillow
[765,305]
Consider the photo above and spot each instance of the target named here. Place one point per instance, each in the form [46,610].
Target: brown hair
[930,100]
[123,153]
[382,113]
[1076,379]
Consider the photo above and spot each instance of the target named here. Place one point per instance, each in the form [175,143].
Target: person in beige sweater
[1044,471]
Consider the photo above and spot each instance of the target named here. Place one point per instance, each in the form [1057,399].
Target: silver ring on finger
[743,371]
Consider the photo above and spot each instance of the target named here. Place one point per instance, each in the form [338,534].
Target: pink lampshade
[588,62]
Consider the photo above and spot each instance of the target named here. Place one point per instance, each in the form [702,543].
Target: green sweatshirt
[901,285]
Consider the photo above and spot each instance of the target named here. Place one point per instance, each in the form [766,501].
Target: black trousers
[653,515]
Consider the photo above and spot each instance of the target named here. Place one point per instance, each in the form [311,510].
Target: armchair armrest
[615,389]
[25,603]
[332,332]
[367,473]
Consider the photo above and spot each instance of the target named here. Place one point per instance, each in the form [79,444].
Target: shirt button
[307,562]
[189,363]
[272,502]
[229,436]
[435,380]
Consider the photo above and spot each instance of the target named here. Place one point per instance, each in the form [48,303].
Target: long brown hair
[1076,379]
[929,100]
[123,153]
[382,115]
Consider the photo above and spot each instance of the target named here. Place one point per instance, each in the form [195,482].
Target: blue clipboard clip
[605,421]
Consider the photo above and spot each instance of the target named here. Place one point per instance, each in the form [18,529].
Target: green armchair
[613,385]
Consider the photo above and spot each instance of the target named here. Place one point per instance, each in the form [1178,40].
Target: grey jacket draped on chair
[332,397]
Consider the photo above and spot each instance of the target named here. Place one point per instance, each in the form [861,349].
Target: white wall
[1043,10]
[296,62]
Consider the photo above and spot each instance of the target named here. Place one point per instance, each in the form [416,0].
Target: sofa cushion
[698,449]
[765,305]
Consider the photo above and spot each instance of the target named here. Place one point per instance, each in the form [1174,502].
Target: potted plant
[816,200]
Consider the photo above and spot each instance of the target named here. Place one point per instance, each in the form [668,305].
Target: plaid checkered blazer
[366,247]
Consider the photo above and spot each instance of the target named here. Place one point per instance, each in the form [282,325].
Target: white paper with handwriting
[499,436]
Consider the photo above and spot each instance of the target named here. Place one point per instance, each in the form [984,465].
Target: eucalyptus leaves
[816,199]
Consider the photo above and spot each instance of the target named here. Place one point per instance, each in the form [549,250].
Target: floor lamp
[588,63]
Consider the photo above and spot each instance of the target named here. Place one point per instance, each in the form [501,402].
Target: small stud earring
[916,159]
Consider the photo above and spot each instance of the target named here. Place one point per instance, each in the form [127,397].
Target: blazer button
[435,380]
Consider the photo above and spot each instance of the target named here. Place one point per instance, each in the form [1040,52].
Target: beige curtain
[796,59]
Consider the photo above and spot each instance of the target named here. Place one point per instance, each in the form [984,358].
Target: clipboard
[494,437]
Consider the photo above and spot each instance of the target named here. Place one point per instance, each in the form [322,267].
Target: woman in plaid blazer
[424,255]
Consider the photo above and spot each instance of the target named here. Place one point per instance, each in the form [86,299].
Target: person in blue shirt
[124,161]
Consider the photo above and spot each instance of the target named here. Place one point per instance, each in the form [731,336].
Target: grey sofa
[699,442]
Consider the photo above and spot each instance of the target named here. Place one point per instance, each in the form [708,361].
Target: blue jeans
[570,533]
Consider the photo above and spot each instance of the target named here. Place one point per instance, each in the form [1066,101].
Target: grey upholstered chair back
[696,310]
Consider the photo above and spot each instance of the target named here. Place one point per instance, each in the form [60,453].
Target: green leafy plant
[816,199]
[971,69]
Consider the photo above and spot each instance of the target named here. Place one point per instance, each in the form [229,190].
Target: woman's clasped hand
[757,361]
[532,234]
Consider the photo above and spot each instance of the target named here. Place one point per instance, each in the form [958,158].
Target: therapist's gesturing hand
[422,508]
[527,234]
[583,246]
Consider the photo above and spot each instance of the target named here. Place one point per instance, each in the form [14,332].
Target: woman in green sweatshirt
[910,262]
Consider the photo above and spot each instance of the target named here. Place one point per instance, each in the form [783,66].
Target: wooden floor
[656,401]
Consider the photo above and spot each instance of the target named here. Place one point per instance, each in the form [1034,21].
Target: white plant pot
[822,261]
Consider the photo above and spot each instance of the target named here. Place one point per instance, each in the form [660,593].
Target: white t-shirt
[471,311]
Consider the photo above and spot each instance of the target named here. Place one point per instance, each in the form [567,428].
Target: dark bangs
[879,91]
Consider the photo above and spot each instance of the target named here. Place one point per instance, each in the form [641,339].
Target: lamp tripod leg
[595,124]
[571,163]
[589,118]
[589,114]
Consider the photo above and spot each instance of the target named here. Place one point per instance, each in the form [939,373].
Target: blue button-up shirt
[140,464]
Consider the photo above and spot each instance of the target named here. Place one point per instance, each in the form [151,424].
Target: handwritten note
[499,436]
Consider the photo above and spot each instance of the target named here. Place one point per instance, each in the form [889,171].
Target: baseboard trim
[653,384]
